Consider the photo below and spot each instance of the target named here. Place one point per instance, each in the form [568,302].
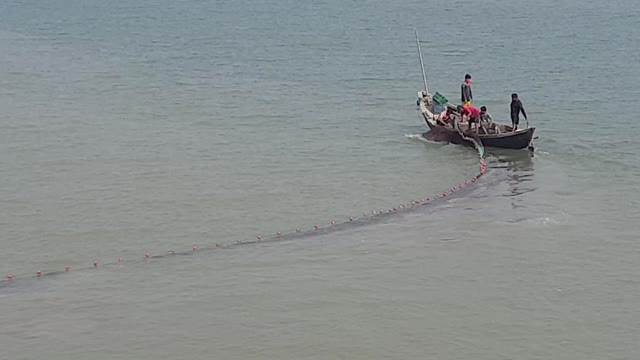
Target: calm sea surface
[129,127]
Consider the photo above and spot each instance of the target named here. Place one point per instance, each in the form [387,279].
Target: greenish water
[128,128]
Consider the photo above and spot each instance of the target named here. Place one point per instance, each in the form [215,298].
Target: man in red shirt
[472,115]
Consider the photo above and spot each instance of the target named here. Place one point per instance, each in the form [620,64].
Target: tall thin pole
[424,76]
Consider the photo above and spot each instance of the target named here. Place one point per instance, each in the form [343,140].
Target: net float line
[367,217]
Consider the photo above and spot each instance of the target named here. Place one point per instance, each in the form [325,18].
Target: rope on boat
[298,233]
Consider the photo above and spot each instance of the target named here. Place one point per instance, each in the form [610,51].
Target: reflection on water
[518,166]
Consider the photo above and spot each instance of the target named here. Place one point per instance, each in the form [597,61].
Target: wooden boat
[500,136]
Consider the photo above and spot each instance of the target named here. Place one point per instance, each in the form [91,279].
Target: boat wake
[440,135]
[559,219]
[417,137]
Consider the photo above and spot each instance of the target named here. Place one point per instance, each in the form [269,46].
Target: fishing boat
[497,136]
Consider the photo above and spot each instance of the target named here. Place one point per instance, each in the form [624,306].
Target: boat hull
[442,134]
[519,140]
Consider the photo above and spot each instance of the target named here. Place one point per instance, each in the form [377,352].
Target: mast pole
[424,76]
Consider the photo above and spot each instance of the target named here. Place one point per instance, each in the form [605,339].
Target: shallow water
[132,128]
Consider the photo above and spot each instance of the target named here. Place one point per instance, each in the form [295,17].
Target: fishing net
[472,138]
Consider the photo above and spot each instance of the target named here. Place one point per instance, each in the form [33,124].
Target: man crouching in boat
[486,121]
[446,117]
[471,114]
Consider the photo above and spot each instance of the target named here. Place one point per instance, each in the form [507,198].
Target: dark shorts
[474,120]
[515,119]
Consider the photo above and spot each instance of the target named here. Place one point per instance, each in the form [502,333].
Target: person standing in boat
[516,108]
[465,90]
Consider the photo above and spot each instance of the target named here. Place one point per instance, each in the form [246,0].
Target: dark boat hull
[519,140]
[442,134]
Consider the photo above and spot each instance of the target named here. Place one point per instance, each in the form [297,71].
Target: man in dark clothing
[465,90]
[516,108]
